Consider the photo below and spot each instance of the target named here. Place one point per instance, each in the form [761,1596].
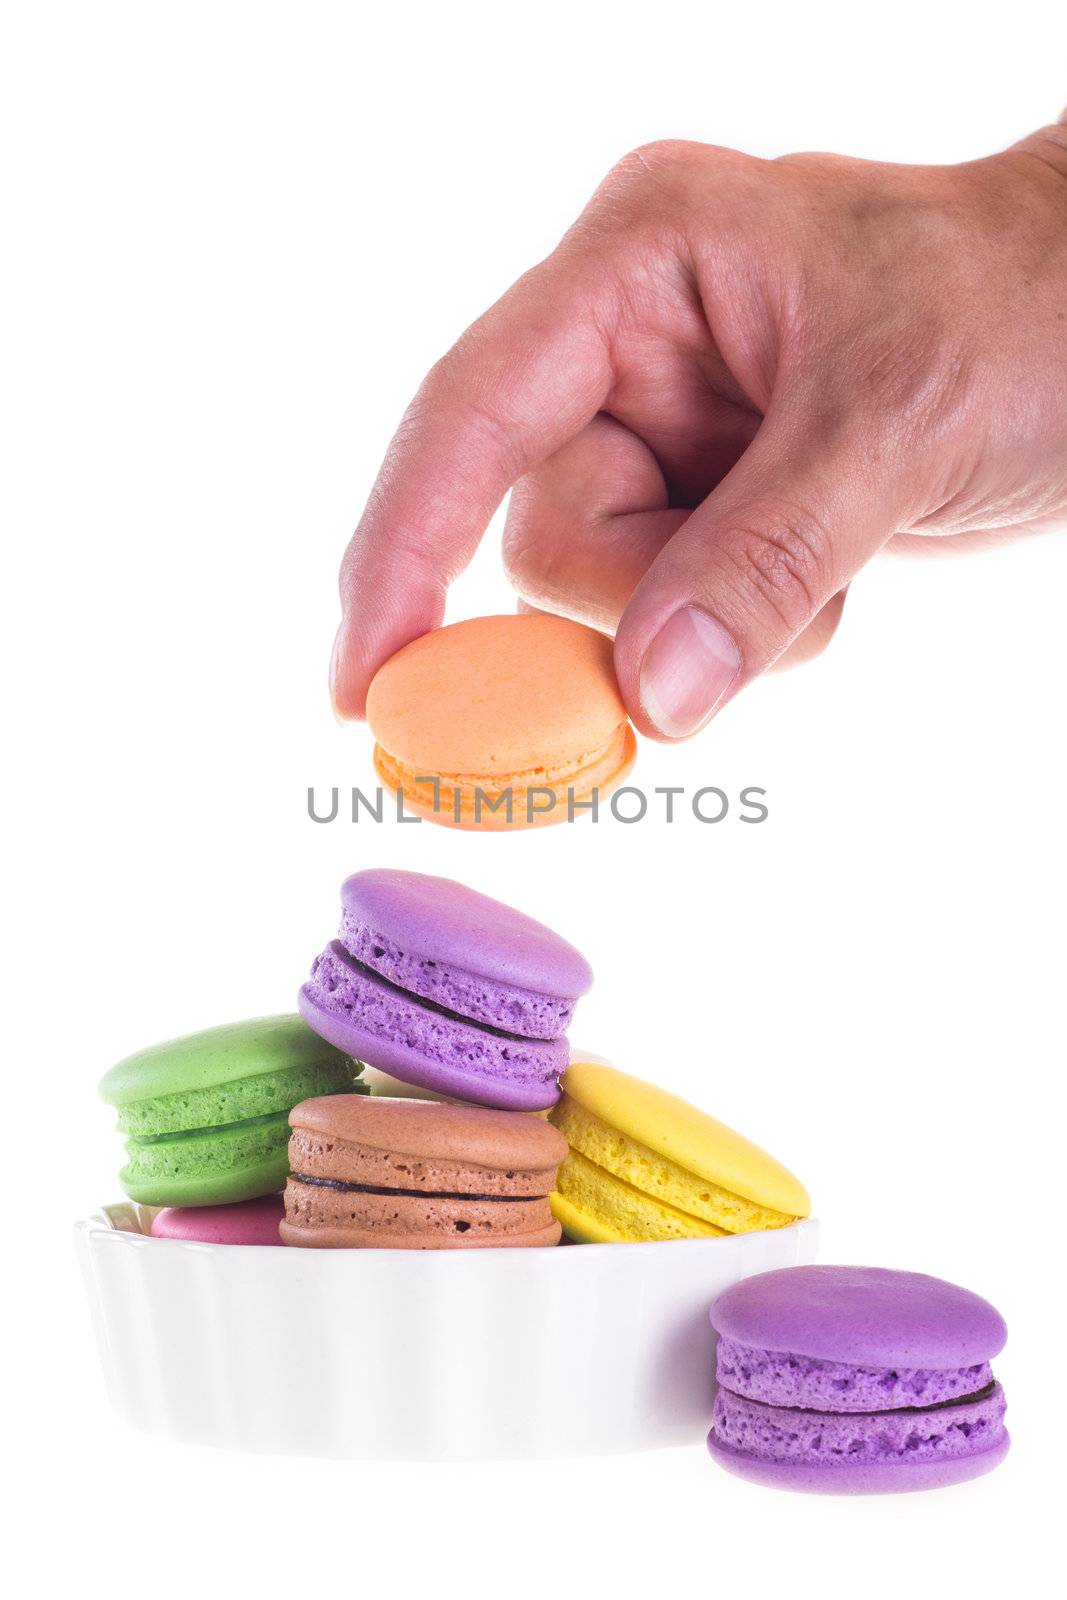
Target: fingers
[584,528]
[577,544]
[523,380]
[747,574]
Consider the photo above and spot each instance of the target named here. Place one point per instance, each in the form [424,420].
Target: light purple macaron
[447,989]
[846,1380]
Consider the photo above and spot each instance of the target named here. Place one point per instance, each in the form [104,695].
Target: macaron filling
[956,1428]
[145,1139]
[778,1378]
[501,799]
[396,1027]
[519,1011]
[410,1194]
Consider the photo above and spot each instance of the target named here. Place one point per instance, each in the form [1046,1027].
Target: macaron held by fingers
[373,1173]
[206,1116]
[856,1380]
[645,1165]
[501,722]
[447,989]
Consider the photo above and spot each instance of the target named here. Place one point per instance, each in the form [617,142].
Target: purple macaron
[856,1380]
[447,989]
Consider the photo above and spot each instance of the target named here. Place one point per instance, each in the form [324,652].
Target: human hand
[732,384]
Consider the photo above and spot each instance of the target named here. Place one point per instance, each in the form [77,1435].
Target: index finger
[521,381]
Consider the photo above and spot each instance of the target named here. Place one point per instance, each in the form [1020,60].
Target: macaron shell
[263,1171]
[433,922]
[837,1440]
[778,1378]
[437,1221]
[213,1057]
[247,1222]
[602,1208]
[453,988]
[497,695]
[865,1316]
[354,1239]
[639,1168]
[346,1161]
[874,1478]
[689,1138]
[432,1131]
[241,1100]
[582,1227]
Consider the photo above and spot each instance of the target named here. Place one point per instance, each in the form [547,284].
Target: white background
[237,235]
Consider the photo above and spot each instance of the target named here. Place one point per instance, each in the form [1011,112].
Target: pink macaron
[246,1222]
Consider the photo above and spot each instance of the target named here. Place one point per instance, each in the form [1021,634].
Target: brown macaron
[372,1173]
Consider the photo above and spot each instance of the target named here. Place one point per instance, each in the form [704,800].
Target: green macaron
[206,1117]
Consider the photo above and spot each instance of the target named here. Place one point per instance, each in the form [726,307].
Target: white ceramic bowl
[448,1354]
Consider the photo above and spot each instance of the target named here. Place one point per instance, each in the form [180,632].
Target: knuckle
[785,563]
[655,166]
[649,196]
[440,382]
[472,405]
[447,386]
[657,155]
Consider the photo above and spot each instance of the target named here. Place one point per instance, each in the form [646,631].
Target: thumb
[752,567]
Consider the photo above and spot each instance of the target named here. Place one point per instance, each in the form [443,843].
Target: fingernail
[689,669]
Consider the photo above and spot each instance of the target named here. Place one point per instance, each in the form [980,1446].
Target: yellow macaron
[645,1165]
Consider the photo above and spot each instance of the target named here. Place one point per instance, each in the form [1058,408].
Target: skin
[732,384]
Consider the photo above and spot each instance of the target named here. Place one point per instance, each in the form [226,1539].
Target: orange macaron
[501,722]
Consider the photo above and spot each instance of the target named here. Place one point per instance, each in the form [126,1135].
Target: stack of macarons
[457,995]
[501,722]
[448,992]
[453,992]
[434,990]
